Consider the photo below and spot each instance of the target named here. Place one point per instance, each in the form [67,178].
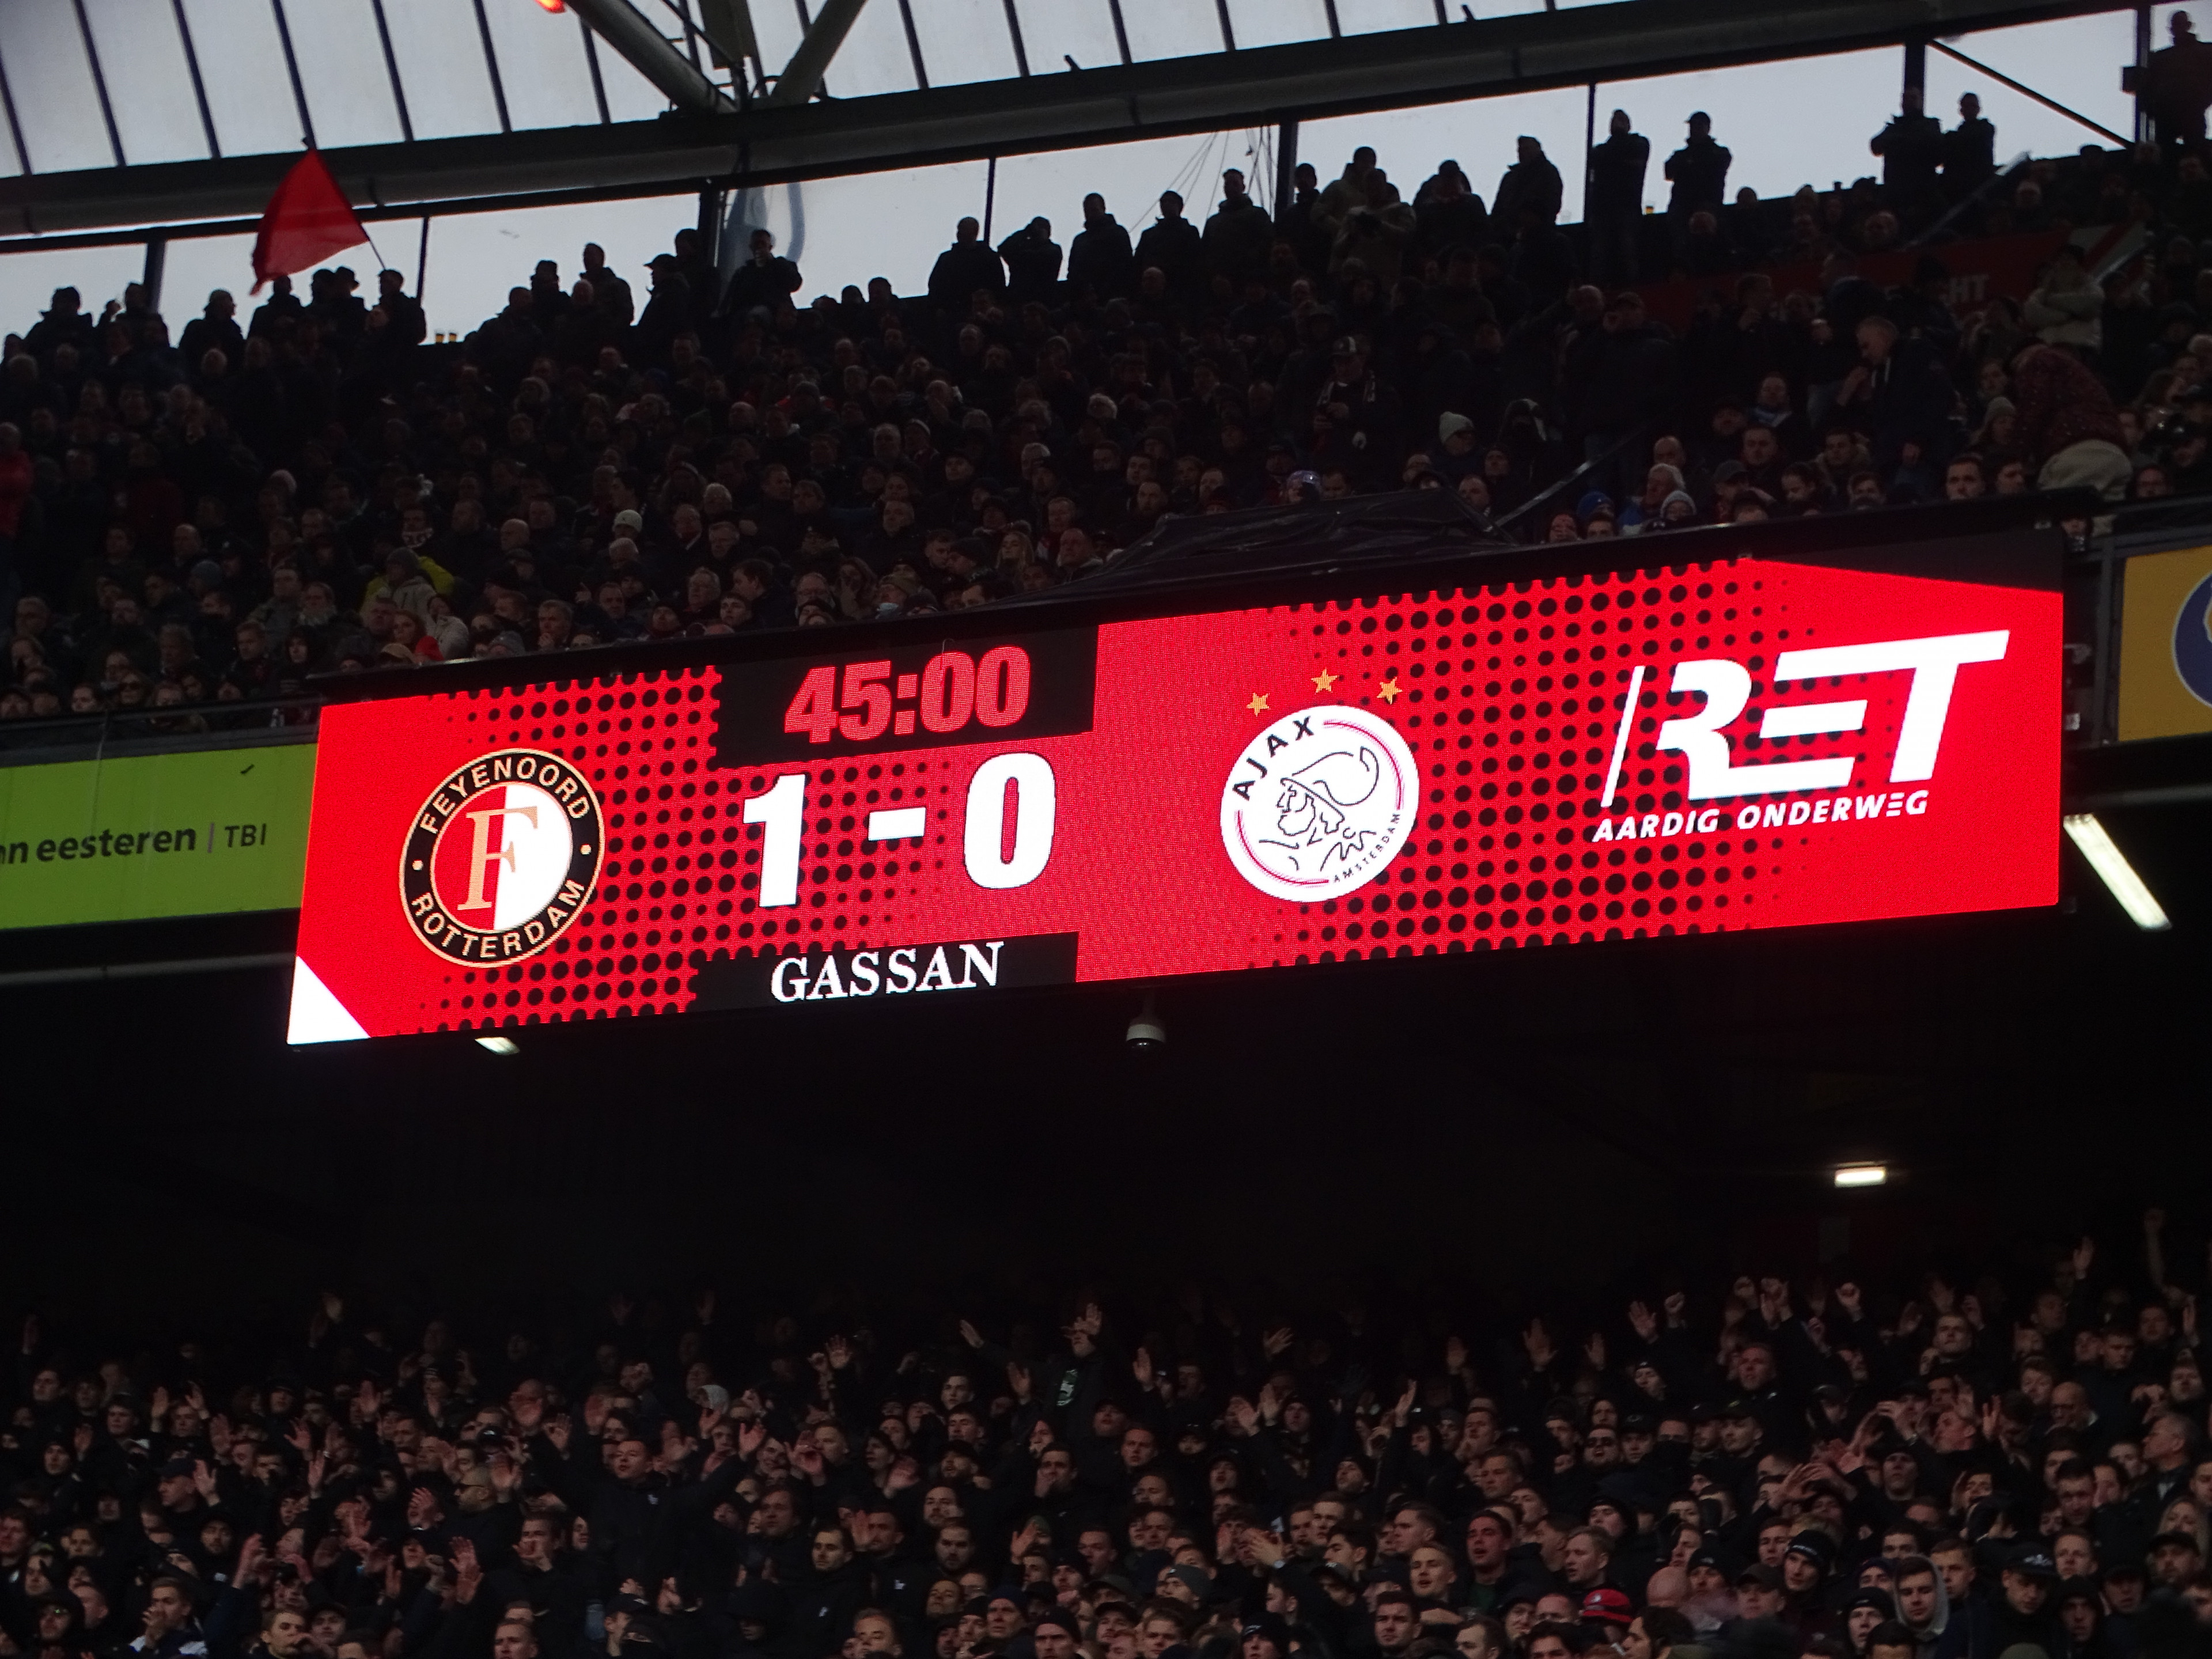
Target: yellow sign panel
[2165,645]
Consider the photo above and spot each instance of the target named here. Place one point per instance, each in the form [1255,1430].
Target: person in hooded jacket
[1924,1607]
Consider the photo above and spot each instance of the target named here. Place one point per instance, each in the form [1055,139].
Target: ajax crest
[1319,803]
[501,857]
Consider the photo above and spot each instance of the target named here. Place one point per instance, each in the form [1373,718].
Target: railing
[192,725]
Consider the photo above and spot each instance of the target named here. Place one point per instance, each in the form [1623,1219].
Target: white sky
[1788,124]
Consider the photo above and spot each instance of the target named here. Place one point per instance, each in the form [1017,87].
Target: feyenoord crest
[1319,803]
[501,857]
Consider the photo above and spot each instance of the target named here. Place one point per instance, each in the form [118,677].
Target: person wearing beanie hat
[1866,1609]
[1054,1634]
[1264,1636]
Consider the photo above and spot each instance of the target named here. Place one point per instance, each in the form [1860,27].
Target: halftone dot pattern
[1510,698]
[682,865]
[645,741]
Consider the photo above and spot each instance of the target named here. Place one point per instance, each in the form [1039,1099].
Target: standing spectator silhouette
[1614,209]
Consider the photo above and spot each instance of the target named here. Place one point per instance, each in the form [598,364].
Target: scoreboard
[1408,762]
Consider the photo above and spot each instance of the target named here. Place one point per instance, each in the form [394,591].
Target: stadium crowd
[1819,1468]
[213,515]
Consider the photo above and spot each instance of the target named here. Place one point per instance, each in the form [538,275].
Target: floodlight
[2117,874]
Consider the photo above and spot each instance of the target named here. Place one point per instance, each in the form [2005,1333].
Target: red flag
[306,220]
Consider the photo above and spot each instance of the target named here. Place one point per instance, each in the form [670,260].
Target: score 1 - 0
[990,862]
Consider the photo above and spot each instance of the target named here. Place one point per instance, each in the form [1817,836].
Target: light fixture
[1861,1174]
[2117,874]
[554,5]
[498,1045]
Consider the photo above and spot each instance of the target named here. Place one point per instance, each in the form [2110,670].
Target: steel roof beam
[768,143]
[622,26]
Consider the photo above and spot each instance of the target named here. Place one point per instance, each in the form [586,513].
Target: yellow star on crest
[1323,680]
[1258,703]
[1389,690]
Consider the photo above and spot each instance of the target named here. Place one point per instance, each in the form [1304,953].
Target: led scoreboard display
[1431,761]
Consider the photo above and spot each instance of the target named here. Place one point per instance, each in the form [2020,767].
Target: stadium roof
[146,113]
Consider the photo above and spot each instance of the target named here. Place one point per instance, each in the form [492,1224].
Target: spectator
[1172,245]
[1970,151]
[1531,185]
[1099,258]
[763,282]
[1912,151]
[1032,262]
[1239,236]
[1698,172]
[2177,87]
[2064,309]
[1615,205]
[963,270]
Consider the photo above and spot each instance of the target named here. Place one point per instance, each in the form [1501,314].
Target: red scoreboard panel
[1414,763]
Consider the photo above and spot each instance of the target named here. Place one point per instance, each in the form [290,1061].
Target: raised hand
[840,1351]
[1272,1343]
[468,1572]
[1644,1321]
[1677,1306]
[1402,1412]
[1141,1368]
[969,1335]
[1594,1350]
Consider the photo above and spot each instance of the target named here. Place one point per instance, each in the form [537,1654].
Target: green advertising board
[134,837]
